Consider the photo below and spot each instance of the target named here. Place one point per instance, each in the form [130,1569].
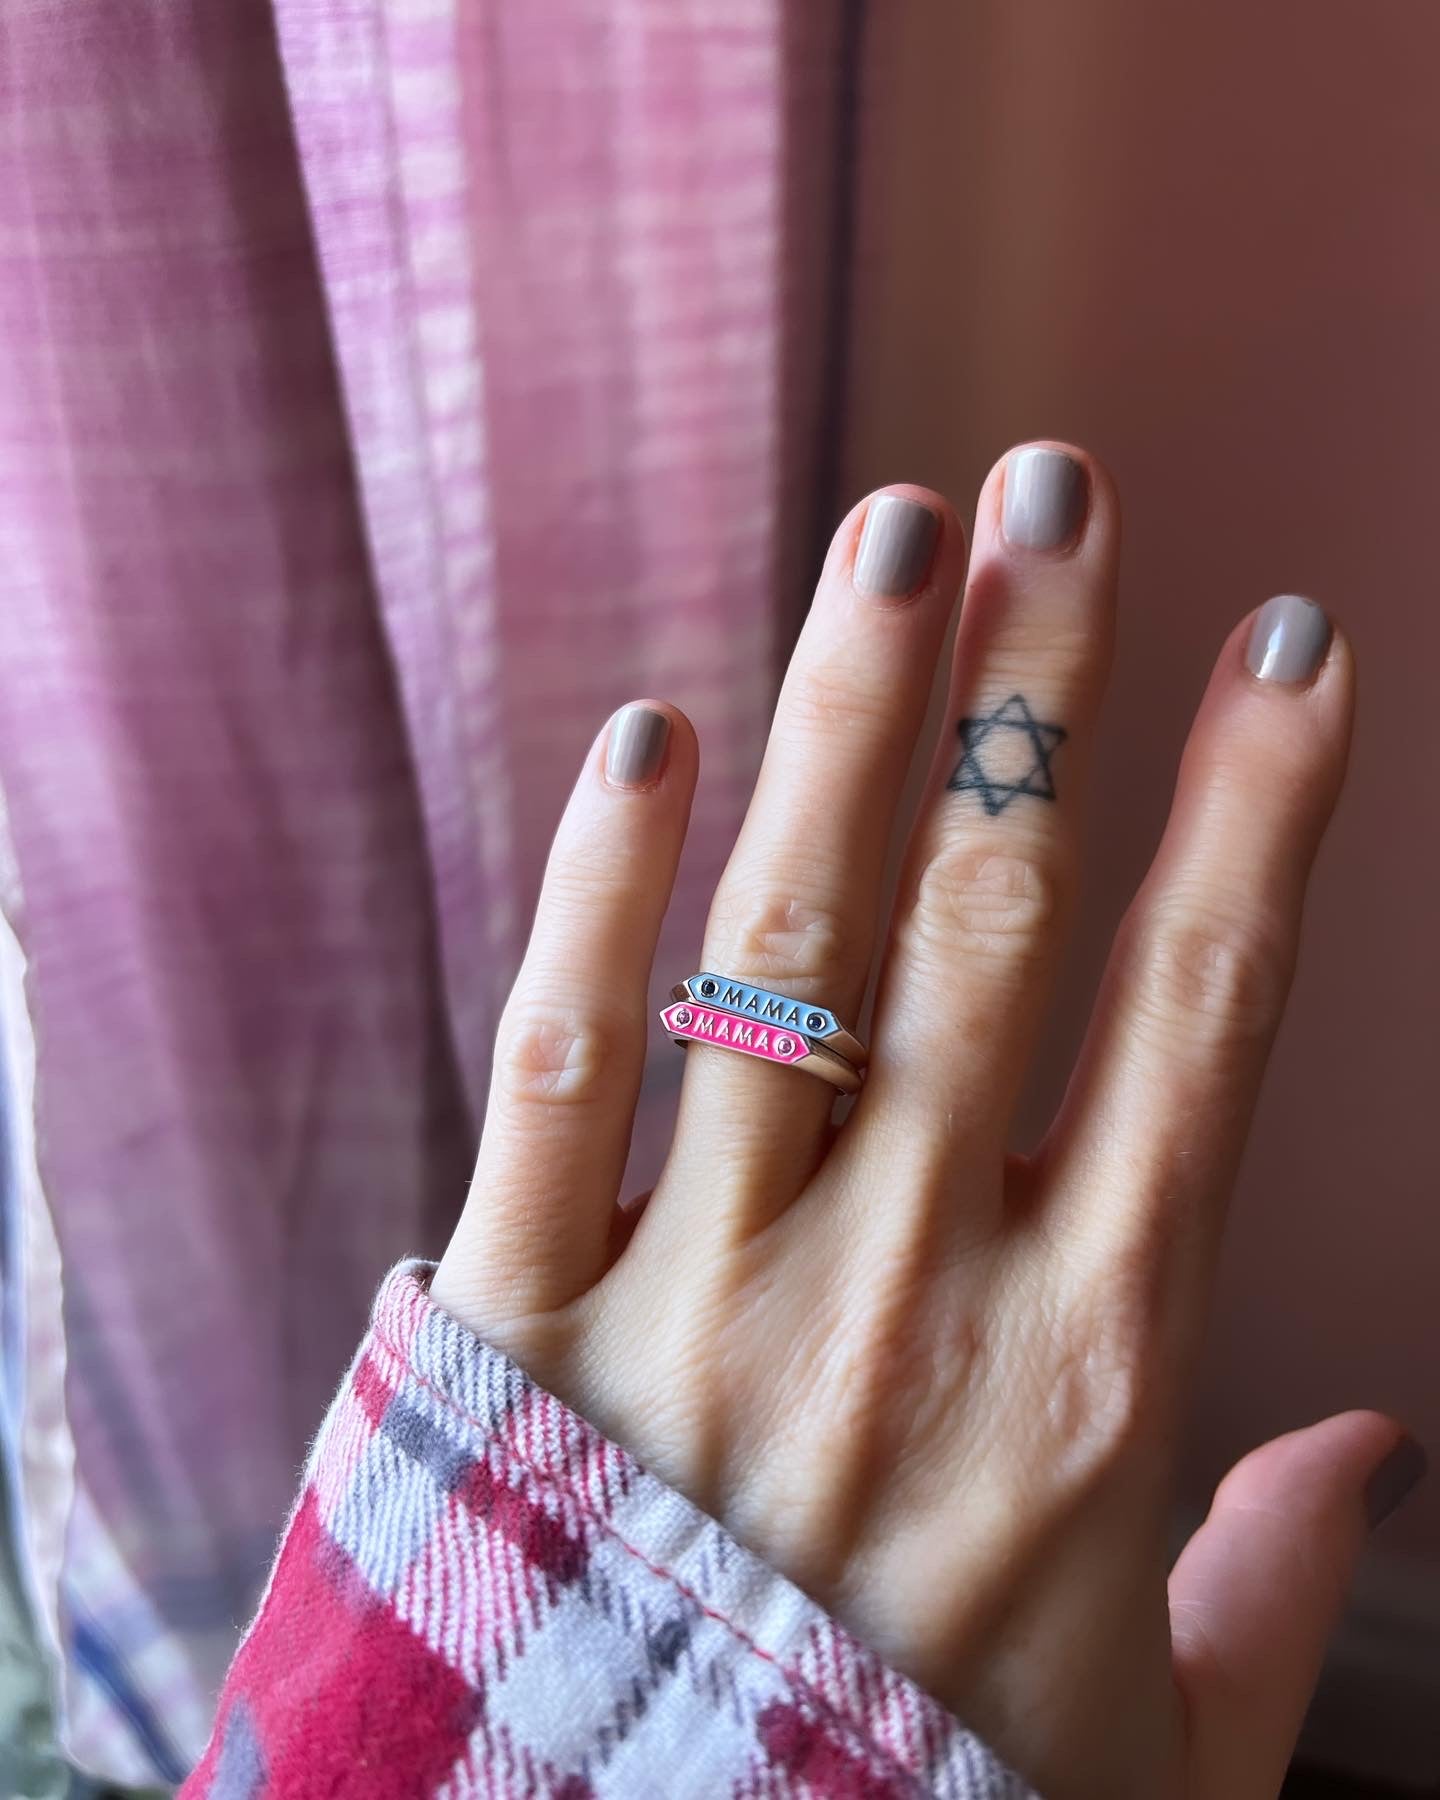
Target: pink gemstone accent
[705,1025]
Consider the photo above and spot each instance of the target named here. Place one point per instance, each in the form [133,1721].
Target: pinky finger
[537,1229]
[1144,1151]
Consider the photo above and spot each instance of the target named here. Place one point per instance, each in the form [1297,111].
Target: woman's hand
[935,1384]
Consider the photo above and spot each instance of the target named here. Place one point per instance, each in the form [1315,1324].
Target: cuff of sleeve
[609,1627]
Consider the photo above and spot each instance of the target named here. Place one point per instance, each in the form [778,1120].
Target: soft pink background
[1203,242]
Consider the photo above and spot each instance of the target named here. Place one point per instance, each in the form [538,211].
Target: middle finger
[991,869]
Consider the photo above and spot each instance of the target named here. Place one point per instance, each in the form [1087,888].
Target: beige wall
[1205,242]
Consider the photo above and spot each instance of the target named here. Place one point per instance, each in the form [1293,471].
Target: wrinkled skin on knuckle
[974,900]
[1095,1401]
[1204,980]
[828,704]
[560,1054]
[572,881]
[771,937]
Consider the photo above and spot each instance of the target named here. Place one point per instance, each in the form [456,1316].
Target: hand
[938,1385]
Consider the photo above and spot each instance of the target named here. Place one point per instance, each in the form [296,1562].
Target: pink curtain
[393,388]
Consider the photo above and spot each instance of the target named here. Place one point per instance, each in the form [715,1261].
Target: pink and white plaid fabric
[480,1596]
[393,387]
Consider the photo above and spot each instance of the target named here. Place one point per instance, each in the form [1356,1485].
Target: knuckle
[833,701]
[1097,1409]
[1204,977]
[984,902]
[562,1055]
[778,937]
[1098,1401]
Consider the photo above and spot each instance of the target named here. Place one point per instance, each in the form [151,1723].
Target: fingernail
[896,544]
[636,750]
[1047,495]
[1288,640]
[1397,1477]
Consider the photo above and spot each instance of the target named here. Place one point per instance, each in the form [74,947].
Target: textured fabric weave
[393,388]
[480,1595]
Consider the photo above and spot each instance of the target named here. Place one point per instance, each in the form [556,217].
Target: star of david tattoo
[1004,754]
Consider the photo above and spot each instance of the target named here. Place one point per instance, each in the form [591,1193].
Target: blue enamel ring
[717,1009]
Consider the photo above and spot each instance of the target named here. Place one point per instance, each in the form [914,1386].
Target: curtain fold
[394,388]
[245,1098]
[568,257]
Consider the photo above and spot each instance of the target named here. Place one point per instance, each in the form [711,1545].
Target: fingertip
[1049,498]
[1293,735]
[1289,647]
[1287,642]
[899,543]
[1367,1455]
[1395,1478]
[919,495]
[1258,1588]
[642,742]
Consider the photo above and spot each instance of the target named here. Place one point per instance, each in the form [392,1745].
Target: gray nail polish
[1047,495]
[1288,640]
[1396,1478]
[896,544]
[636,750]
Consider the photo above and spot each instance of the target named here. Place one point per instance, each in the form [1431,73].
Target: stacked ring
[716,1009]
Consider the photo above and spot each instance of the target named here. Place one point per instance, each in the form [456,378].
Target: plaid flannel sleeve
[478,1594]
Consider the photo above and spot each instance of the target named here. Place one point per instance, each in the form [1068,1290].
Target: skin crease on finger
[936,1385]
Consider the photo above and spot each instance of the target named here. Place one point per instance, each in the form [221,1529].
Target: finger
[796,907]
[571,1045]
[1150,1134]
[1259,1588]
[992,865]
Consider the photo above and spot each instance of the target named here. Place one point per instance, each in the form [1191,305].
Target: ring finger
[796,908]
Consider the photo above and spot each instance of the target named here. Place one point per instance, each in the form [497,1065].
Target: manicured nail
[1288,640]
[1047,495]
[636,751]
[896,544]
[1397,1477]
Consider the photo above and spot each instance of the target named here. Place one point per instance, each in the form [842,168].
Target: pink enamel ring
[715,1009]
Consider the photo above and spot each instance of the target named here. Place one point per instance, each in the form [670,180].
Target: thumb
[1259,1588]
